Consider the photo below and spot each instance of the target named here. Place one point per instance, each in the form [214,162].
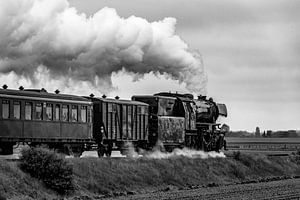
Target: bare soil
[282,189]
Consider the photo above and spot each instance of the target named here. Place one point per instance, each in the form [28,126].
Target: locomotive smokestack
[200,97]
[42,41]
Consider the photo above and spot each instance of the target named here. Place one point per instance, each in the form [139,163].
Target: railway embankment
[95,178]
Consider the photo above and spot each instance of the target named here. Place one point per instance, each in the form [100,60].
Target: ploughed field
[187,175]
[281,189]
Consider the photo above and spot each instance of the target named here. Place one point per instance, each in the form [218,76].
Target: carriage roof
[43,95]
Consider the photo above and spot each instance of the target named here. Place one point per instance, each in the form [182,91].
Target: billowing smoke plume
[52,36]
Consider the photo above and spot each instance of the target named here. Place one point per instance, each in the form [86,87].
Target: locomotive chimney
[57,91]
[4,86]
[117,97]
[200,97]
[92,95]
[104,96]
[21,88]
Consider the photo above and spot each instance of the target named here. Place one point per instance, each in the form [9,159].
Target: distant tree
[257,132]
[269,133]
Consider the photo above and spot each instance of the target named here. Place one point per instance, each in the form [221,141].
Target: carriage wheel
[6,148]
[100,150]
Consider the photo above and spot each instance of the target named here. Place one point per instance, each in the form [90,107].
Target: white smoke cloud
[77,49]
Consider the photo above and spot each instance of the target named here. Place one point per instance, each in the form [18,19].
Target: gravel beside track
[283,189]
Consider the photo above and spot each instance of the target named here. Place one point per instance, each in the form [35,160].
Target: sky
[249,51]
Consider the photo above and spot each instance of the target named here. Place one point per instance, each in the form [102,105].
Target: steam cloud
[190,153]
[158,154]
[51,36]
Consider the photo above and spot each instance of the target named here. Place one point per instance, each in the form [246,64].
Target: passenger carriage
[119,122]
[37,117]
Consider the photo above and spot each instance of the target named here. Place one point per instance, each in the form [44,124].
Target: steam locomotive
[73,124]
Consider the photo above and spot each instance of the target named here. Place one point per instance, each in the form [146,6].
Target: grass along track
[94,177]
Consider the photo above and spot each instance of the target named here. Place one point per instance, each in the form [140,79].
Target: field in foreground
[273,190]
[108,177]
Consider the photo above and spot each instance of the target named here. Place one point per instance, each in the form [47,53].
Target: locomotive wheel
[101,150]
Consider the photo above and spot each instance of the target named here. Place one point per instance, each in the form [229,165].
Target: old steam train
[72,124]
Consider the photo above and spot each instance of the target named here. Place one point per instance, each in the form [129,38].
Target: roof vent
[4,86]
[21,88]
[104,96]
[43,90]
[57,91]
[117,97]
[92,95]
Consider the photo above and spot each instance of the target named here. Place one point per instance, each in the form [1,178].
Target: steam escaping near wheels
[185,152]
[159,153]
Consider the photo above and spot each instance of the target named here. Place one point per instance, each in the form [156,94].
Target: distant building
[257,132]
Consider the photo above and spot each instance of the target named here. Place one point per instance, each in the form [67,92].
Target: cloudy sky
[249,49]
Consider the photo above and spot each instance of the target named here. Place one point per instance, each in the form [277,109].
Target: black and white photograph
[149,99]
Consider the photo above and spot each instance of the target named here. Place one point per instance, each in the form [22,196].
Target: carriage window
[57,118]
[143,110]
[17,110]
[109,107]
[38,111]
[49,112]
[89,114]
[65,113]
[28,111]
[129,119]
[5,109]
[74,114]
[83,113]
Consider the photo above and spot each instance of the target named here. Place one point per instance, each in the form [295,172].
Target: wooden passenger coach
[119,121]
[38,117]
